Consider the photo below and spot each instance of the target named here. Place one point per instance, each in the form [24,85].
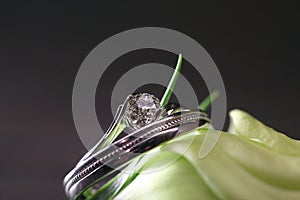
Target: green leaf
[166,97]
[208,101]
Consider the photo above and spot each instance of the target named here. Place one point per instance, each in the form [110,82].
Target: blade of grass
[166,97]
[208,101]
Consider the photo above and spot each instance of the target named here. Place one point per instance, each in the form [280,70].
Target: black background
[42,44]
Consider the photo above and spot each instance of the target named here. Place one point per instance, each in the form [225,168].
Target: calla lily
[250,161]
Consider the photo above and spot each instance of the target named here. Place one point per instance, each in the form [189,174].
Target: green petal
[176,181]
[252,162]
[247,126]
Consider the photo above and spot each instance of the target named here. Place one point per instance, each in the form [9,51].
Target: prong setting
[142,109]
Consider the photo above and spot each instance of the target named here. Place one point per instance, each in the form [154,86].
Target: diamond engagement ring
[141,123]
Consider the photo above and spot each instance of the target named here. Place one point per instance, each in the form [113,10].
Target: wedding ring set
[140,124]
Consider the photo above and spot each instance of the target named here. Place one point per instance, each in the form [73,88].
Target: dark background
[42,44]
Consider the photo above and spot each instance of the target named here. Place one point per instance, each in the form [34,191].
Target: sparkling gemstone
[142,109]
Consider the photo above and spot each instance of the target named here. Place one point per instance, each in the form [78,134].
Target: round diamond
[142,109]
[146,102]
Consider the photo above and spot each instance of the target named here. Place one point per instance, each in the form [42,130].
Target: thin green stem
[166,97]
[208,101]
